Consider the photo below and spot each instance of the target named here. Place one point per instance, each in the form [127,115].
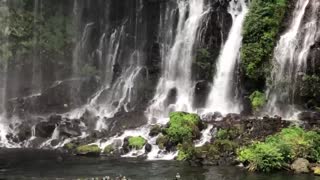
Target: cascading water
[3,77]
[220,98]
[290,58]
[175,87]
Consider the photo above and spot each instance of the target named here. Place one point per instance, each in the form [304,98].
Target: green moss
[186,151]
[258,100]
[203,62]
[282,148]
[162,141]
[227,134]
[69,146]
[183,127]
[88,150]
[260,32]
[137,142]
[108,149]
[155,130]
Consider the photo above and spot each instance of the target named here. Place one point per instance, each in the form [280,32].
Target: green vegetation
[258,100]
[137,142]
[203,62]
[162,141]
[69,146]
[88,150]
[281,149]
[108,149]
[186,151]
[183,127]
[260,31]
[224,143]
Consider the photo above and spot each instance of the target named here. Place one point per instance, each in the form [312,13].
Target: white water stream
[290,58]
[220,96]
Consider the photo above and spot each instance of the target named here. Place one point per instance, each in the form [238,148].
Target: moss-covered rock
[155,130]
[88,150]
[183,127]
[69,146]
[108,150]
[136,142]
[162,141]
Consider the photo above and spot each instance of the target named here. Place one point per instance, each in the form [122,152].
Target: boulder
[309,117]
[155,130]
[44,129]
[211,117]
[148,147]
[24,132]
[300,165]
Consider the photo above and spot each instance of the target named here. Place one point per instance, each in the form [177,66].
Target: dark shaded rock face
[124,121]
[55,99]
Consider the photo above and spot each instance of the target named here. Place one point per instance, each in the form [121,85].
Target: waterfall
[175,88]
[290,58]
[119,89]
[220,98]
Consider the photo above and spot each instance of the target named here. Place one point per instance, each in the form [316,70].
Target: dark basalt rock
[211,117]
[148,148]
[202,89]
[70,129]
[44,129]
[24,132]
[124,121]
[90,120]
[155,130]
[58,98]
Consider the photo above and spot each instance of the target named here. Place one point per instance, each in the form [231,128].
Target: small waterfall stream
[220,96]
[290,58]
[175,87]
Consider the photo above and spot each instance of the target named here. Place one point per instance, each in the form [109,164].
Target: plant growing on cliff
[258,100]
[260,31]
[203,63]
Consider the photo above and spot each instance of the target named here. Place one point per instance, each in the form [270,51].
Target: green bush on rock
[137,142]
[88,150]
[258,100]
[281,149]
[183,127]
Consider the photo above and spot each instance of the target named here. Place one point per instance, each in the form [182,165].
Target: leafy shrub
[186,151]
[262,156]
[260,31]
[203,62]
[282,148]
[258,100]
[183,127]
[137,142]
